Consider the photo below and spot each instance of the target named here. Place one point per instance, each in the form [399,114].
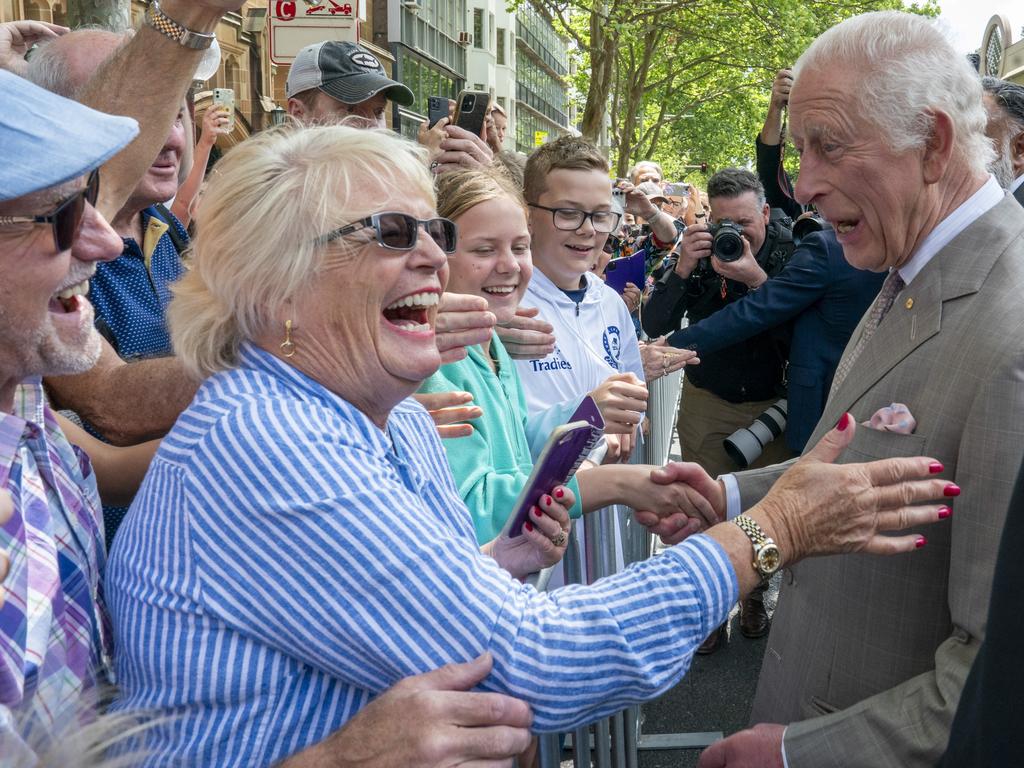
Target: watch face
[768,559]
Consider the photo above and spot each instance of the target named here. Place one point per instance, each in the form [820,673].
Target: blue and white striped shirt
[285,561]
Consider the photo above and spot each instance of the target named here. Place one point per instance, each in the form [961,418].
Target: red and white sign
[294,24]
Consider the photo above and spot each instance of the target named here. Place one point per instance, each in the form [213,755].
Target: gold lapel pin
[909,304]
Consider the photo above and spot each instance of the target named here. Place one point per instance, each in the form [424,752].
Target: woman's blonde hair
[458,191]
[267,202]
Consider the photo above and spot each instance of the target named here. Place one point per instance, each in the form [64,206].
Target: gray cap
[345,71]
[49,140]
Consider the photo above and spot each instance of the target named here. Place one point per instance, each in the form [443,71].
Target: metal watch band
[169,28]
[763,545]
[750,527]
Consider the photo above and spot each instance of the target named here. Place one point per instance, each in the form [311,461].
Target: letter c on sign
[284,9]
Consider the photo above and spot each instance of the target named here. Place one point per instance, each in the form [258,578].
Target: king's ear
[938,149]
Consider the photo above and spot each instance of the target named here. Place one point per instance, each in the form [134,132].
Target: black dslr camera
[727,240]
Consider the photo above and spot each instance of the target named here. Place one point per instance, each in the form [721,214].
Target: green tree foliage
[687,82]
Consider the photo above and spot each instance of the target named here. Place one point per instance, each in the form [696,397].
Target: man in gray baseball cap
[331,80]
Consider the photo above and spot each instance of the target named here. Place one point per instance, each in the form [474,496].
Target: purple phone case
[626,270]
[565,450]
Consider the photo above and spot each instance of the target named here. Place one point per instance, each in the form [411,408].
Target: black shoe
[711,643]
[754,621]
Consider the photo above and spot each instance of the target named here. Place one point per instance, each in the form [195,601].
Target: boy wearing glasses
[569,196]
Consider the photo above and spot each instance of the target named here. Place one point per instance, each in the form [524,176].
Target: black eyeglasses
[66,218]
[572,218]
[399,231]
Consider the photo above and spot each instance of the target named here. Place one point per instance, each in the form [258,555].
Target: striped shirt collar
[279,376]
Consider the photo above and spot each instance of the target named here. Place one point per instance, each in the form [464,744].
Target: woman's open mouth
[412,313]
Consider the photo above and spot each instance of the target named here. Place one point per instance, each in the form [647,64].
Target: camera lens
[727,245]
[468,103]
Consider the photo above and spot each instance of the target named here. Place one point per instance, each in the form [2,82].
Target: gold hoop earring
[287,346]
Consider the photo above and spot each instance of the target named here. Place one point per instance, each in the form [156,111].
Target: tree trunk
[114,15]
[602,61]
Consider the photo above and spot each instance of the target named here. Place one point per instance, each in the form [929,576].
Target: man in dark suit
[986,730]
[823,295]
[1004,104]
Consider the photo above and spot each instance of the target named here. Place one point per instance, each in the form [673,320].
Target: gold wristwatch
[168,27]
[767,558]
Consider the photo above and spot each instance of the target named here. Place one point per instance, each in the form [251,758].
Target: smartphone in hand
[437,108]
[471,110]
[225,97]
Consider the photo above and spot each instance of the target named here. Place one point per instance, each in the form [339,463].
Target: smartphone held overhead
[225,97]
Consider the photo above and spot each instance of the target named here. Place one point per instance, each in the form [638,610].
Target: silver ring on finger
[560,539]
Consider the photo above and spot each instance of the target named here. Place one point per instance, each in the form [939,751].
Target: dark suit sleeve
[986,729]
[801,283]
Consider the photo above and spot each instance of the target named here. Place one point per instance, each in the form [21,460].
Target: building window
[501,46]
[478,27]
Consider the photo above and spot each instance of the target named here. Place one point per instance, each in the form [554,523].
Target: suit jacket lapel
[957,270]
[1018,194]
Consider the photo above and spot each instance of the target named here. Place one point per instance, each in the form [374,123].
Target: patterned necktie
[890,290]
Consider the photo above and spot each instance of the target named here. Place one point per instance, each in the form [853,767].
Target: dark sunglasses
[66,218]
[399,231]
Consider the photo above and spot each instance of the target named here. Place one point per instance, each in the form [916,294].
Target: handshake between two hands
[814,495]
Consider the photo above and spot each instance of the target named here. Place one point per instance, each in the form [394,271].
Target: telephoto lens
[745,445]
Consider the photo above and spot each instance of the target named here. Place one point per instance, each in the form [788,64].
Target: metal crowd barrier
[615,741]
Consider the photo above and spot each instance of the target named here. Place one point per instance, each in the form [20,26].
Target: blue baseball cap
[49,140]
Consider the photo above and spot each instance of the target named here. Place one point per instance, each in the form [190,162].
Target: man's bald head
[66,63]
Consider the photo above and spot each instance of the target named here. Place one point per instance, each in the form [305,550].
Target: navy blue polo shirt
[130,293]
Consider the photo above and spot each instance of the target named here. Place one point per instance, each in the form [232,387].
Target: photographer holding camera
[720,264]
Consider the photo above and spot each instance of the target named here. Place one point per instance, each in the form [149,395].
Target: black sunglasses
[399,231]
[66,218]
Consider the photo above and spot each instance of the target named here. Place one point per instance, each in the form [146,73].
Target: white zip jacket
[593,340]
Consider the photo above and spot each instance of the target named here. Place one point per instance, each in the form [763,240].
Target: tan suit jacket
[868,654]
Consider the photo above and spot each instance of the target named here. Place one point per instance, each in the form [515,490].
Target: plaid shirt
[52,623]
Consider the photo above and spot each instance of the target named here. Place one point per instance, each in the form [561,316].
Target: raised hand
[462,321]
[450,410]
[824,508]
[622,400]
[659,359]
[527,336]
[16,37]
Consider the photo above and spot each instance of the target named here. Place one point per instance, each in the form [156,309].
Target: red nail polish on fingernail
[536,512]
[935,467]
[559,493]
[920,542]
[546,500]
[944,512]
[843,422]
[528,526]
[951,490]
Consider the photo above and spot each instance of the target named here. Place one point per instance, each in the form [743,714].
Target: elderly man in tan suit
[868,655]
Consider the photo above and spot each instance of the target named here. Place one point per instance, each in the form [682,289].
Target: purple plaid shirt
[53,633]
